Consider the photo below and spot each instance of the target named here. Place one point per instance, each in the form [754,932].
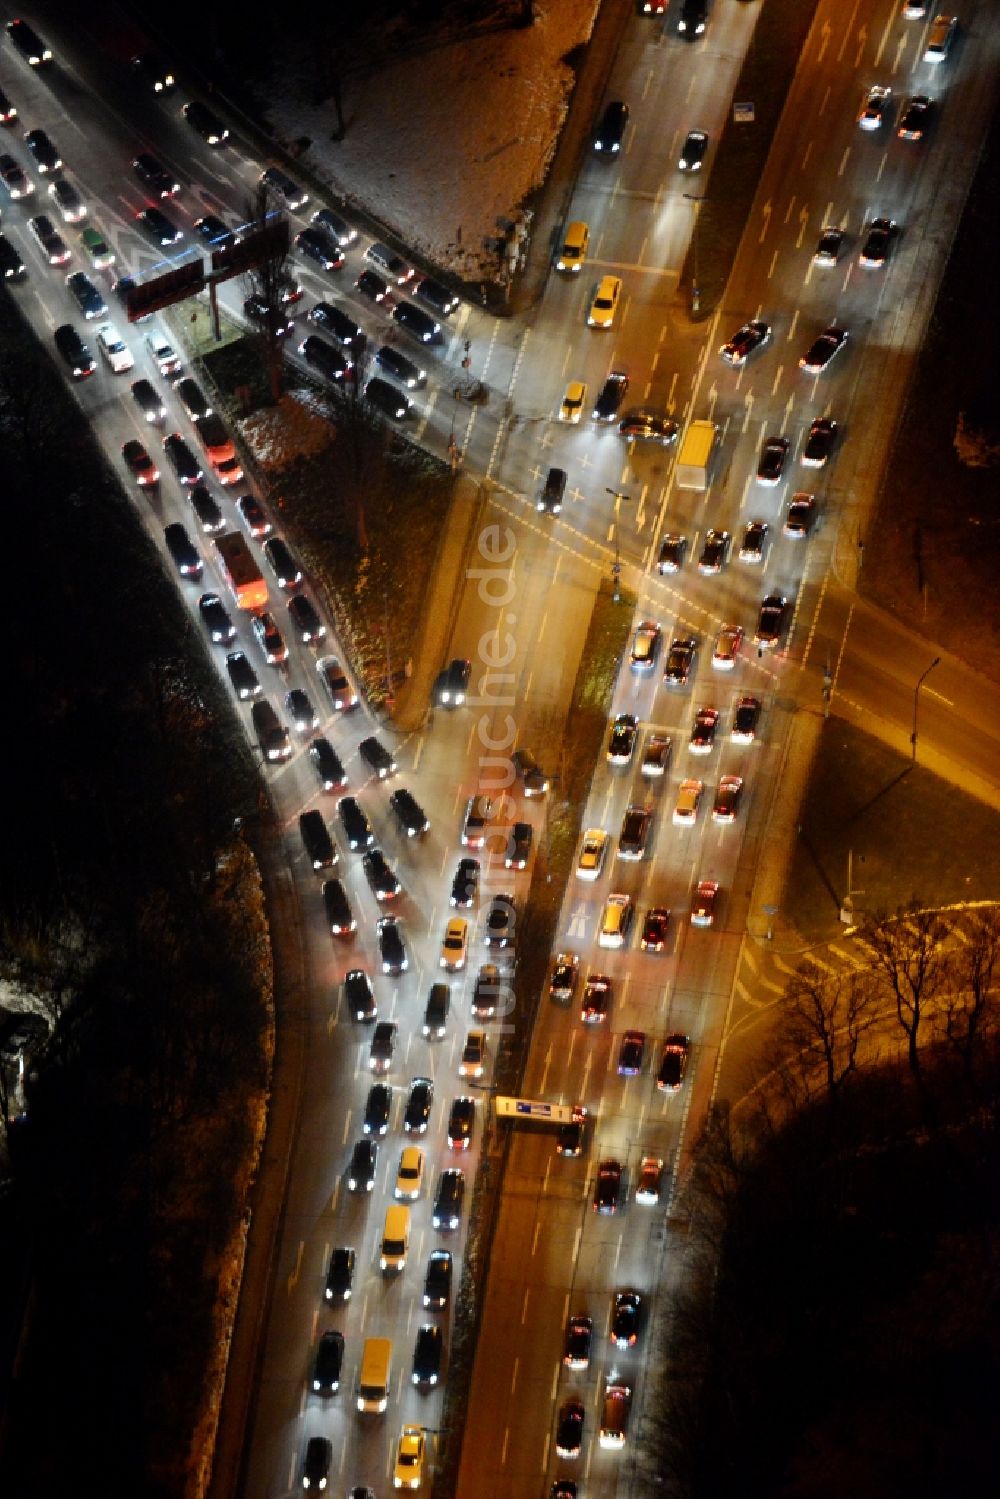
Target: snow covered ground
[442,146]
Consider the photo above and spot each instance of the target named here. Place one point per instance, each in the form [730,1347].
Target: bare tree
[825,1017]
[972,997]
[268,283]
[907,951]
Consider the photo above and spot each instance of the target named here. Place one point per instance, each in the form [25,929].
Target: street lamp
[916,695]
[616,567]
[695,288]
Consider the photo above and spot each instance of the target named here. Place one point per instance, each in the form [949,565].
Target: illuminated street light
[616,568]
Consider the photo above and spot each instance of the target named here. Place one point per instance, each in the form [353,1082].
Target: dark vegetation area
[130,918]
[840,1328]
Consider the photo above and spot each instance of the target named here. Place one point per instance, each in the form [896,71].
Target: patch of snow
[300,425]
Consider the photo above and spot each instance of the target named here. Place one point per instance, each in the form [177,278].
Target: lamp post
[695,288]
[916,697]
[616,567]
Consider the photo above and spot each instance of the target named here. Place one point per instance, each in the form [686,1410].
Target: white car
[592,851]
[114,349]
[873,107]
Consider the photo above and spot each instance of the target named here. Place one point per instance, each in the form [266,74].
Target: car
[914,10]
[727,799]
[915,118]
[453,683]
[183,550]
[611,396]
[597,996]
[242,676]
[631,1053]
[621,740]
[571,1137]
[703,903]
[281,187]
[435,1022]
[335,680]
[645,646]
[215,232]
[46,157]
[14,179]
[357,828]
[461,1123]
[409,1173]
[706,721]
[607,1187]
[592,852]
[167,361]
[573,401]
[385,259]
[437,1280]
[327,1366]
[819,443]
[465,884]
[605,301]
[28,43]
[8,111]
[364,1165]
[499,927]
[569,1430]
[714,552]
[874,107]
[610,128]
[655,928]
[391,947]
[339,230]
[49,240]
[137,460]
[192,398]
[626,1313]
[657,755]
[335,321]
[672,549]
[693,151]
[614,1415]
[771,464]
[256,519]
[387,399]
[827,252]
[573,250]
[478,815]
[550,496]
[770,621]
[437,296]
[693,18]
[208,125]
[308,625]
[473,1060]
[878,243]
[301,713]
[673,1063]
[799,516]
[221,451]
[85,295]
[579,1336]
[340,1275]
[455,946]
[940,38]
[746,716]
[528,771]
[823,349]
[754,541]
[339,916]
[680,661]
[327,765]
[416,321]
[650,1183]
[400,367]
[643,425]
[752,335]
[114,350]
[155,71]
[409,813]
[161,229]
[447,1211]
[518,850]
[727,647]
[565,972]
[206,508]
[269,638]
[408,1472]
[383,1044]
[616,920]
[149,401]
[268,317]
[378,1107]
[81,363]
[358,993]
[426,1368]
[151,171]
[216,619]
[689,794]
[322,356]
[634,833]
[67,200]
[375,755]
[315,246]
[316,1463]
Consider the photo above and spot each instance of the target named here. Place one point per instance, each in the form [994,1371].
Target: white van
[395,1237]
[376,1372]
[942,34]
